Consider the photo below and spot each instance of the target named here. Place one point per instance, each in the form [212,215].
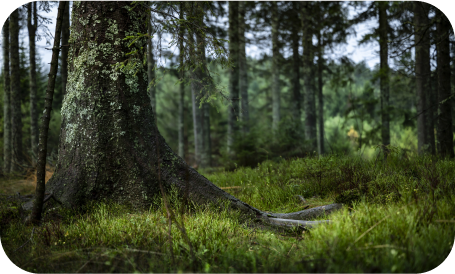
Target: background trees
[315,100]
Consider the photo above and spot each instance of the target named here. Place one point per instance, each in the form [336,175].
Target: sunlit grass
[401,220]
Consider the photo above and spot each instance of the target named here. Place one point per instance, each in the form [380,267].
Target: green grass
[399,217]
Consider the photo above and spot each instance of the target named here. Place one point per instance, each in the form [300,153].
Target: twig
[29,240]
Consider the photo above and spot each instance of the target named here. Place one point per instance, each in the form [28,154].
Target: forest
[227,137]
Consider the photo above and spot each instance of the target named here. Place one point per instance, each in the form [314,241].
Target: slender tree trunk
[151,68]
[234,74]
[195,100]
[16,96]
[181,151]
[243,74]
[110,147]
[7,142]
[35,215]
[425,126]
[445,132]
[384,74]
[429,95]
[65,46]
[33,88]
[320,97]
[296,96]
[308,76]
[275,68]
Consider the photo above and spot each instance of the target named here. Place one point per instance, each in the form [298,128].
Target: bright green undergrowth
[399,216]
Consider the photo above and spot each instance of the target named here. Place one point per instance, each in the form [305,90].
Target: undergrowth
[399,216]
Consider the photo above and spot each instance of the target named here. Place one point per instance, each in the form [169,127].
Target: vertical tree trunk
[445,132]
[181,150]
[7,142]
[195,99]
[320,97]
[296,96]
[384,74]
[205,86]
[243,74]
[234,74]
[151,68]
[308,73]
[33,88]
[35,215]
[65,46]
[16,118]
[425,124]
[275,68]
[426,71]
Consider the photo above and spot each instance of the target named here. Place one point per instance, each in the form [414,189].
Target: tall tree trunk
[195,100]
[151,67]
[275,68]
[308,73]
[110,147]
[35,215]
[384,74]
[234,74]
[65,39]
[204,88]
[422,67]
[296,96]
[320,97]
[31,11]
[7,142]
[243,74]
[445,132]
[16,96]
[426,45]
[181,150]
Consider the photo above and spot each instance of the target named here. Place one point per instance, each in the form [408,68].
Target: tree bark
[445,132]
[384,74]
[35,215]
[32,27]
[110,148]
[275,68]
[65,38]
[16,118]
[233,75]
[243,68]
[308,73]
[296,95]
[7,142]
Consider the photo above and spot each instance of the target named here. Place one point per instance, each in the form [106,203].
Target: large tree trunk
[296,96]
[243,74]
[234,74]
[308,73]
[64,53]
[445,132]
[110,147]
[275,68]
[33,87]
[16,118]
[7,142]
[384,74]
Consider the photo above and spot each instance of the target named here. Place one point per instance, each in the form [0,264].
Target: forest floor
[398,216]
